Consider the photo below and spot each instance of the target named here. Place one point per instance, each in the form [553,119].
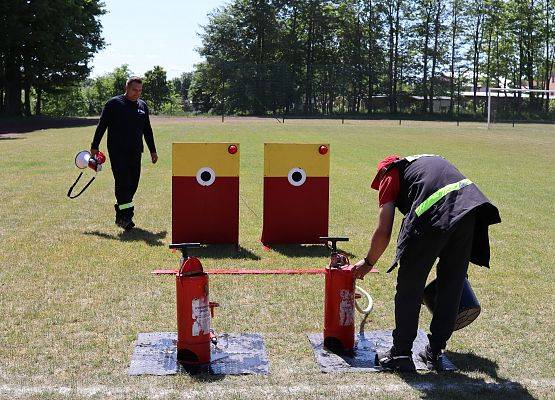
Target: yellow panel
[280,158]
[188,158]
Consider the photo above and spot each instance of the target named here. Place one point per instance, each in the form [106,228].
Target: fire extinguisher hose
[369,299]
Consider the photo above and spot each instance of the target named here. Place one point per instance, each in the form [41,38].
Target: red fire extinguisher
[339,303]
[194,310]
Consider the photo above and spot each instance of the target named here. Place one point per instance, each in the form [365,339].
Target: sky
[145,33]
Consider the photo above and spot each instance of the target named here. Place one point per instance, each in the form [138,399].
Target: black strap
[82,190]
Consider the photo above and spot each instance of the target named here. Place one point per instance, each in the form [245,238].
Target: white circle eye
[296,176]
[206,176]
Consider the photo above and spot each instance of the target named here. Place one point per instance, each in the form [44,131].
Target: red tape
[253,271]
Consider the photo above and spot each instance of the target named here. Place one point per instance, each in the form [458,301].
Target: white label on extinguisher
[201,316]
[346,308]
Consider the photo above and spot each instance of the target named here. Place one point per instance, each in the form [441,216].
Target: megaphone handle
[82,190]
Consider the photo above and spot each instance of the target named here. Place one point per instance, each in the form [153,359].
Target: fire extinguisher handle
[334,240]
[183,247]
[213,304]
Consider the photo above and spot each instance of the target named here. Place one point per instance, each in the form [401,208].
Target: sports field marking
[270,390]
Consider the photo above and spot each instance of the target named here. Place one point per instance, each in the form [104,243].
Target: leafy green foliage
[88,98]
[314,57]
[359,56]
[45,46]
[155,88]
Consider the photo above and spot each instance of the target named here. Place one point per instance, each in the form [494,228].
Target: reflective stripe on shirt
[439,194]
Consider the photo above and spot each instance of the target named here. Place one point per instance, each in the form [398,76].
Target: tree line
[45,46]
[163,95]
[303,57]
[366,56]
[45,51]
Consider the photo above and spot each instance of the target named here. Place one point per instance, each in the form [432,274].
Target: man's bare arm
[380,240]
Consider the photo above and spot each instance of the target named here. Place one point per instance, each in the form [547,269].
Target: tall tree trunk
[331,88]
[38,104]
[425,61]
[2,101]
[2,83]
[370,69]
[454,22]
[488,65]
[309,64]
[359,63]
[260,104]
[477,42]
[400,86]
[437,28]
[13,85]
[27,102]
[496,63]
[551,78]
[529,67]
[314,103]
[396,59]
[293,64]
[391,40]
[520,71]
[548,66]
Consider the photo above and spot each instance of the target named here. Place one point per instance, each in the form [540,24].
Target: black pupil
[297,176]
[205,176]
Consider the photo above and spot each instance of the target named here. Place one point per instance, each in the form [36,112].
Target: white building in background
[440,103]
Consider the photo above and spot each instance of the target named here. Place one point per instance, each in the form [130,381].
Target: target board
[205,193]
[296,193]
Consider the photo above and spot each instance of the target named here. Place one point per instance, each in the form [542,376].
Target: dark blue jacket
[127,122]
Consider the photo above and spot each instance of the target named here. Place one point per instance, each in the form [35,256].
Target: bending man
[446,217]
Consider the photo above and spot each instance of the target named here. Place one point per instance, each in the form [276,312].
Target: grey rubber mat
[234,354]
[363,358]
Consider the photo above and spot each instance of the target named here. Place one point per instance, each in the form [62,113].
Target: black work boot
[430,357]
[434,359]
[127,218]
[391,360]
[119,216]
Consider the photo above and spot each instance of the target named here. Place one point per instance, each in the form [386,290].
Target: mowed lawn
[74,291]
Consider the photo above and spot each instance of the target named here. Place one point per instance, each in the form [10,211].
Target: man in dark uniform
[127,119]
[446,217]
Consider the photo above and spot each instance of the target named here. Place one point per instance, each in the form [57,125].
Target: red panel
[295,214]
[205,214]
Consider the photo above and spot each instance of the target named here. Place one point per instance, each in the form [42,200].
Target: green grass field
[74,291]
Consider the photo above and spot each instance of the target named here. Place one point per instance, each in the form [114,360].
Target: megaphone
[84,159]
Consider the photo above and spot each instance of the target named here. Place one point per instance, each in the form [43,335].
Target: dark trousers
[126,168]
[453,249]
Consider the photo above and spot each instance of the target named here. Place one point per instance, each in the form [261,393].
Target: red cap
[382,164]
